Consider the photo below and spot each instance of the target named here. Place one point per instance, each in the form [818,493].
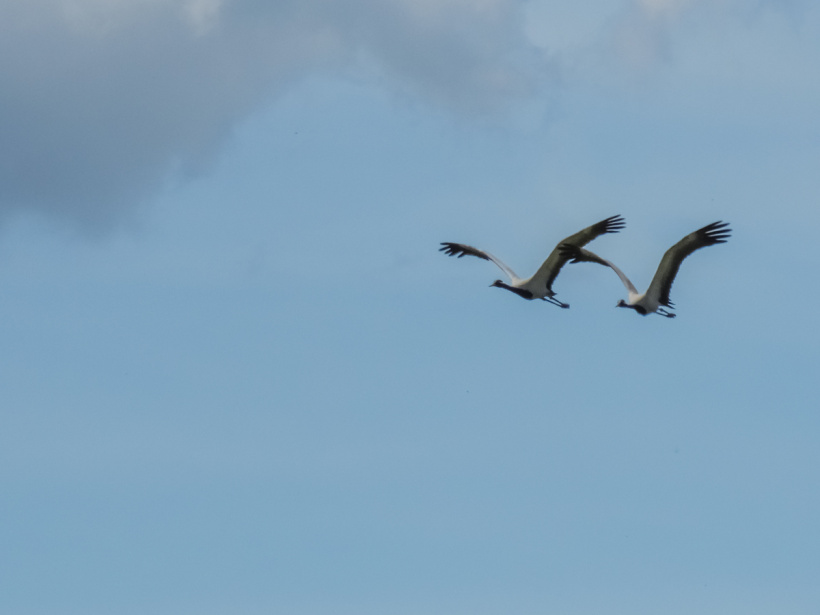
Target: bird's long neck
[518,291]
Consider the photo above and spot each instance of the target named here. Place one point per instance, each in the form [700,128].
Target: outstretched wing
[717,232]
[613,224]
[550,268]
[580,255]
[460,249]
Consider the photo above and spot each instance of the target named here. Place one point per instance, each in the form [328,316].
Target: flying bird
[657,295]
[539,286]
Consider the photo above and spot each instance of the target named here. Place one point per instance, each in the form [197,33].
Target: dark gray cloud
[101,101]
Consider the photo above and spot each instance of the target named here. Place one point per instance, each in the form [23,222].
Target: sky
[238,376]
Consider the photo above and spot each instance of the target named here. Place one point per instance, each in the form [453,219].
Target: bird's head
[621,303]
[497,284]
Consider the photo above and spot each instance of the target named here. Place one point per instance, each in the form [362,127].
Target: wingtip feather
[614,224]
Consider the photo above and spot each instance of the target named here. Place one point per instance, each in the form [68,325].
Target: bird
[539,286]
[656,297]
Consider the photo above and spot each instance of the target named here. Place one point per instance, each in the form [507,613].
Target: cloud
[101,101]
[642,38]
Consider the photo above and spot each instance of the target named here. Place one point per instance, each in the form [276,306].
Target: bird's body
[656,297]
[539,285]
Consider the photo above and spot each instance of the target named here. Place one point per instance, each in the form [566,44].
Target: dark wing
[460,249]
[613,224]
[552,266]
[575,254]
[717,232]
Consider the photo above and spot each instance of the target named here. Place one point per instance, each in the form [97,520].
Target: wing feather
[460,249]
[709,235]
[551,267]
[579,255]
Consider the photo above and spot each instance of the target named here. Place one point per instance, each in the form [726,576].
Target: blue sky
[238,376]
